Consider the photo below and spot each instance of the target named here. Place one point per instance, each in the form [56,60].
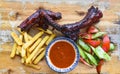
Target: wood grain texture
[68,16]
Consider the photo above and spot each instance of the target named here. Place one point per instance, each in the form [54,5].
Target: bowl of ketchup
[62,55]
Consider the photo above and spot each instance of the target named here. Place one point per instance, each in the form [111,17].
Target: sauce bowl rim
[75,62]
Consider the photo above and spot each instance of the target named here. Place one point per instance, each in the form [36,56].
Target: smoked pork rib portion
[37,18]
[46,17]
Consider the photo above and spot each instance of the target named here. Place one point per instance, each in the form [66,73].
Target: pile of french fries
[31,49]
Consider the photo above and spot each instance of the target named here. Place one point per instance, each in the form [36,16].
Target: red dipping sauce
[62,54]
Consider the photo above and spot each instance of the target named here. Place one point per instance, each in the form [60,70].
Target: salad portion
[94,47]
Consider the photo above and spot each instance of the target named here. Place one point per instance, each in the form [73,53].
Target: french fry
[28,53]
[50,39]
[23,52]
[34,66]
[27,44]
[16,38]
[26,37]
[19,49]
[47,31]
[13,52]
[21,37]
[34,45]
[22,60]
[38,54]
[39,57]
[40,29]
[37,49]
[17,52]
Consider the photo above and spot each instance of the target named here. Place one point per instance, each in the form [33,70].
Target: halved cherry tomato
[92,29]
[106,43]
[93,43]
[99,66]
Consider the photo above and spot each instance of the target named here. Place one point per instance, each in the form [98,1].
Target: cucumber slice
[84,45]
[101,53]
[91,58]
[82,54]
[98,34]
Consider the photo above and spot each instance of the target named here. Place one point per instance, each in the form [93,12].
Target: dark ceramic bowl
[75,62]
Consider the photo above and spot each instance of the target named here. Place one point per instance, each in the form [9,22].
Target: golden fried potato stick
[34,45]
[19,49]
[34,66]
[26,45]
[36,61]
[39,52]
[16,38]
[50,39]
[23,52]
[47,31]
[13,52]
[28,53]
[37,49]
[17,52]
[26,37]
[21,37]
[22,60]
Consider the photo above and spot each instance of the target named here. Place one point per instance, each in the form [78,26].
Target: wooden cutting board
[68,16]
